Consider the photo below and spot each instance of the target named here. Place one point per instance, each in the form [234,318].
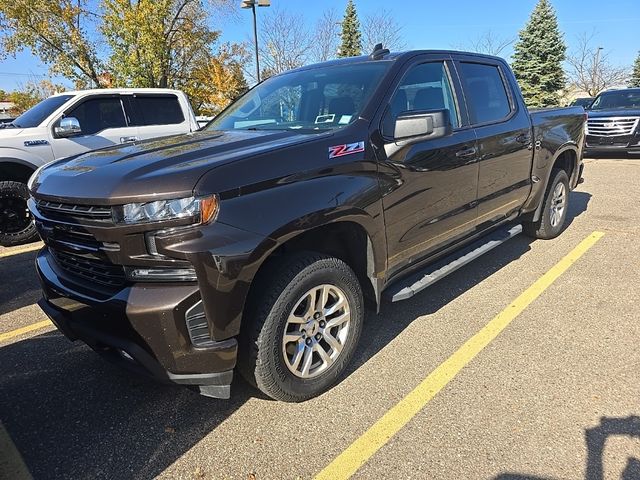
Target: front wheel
[554,208]
[304,328]
[16,222]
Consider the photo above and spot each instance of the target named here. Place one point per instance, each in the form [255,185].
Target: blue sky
[436,25]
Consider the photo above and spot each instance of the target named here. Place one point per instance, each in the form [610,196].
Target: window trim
[401,76]
[79,103]
[513,105]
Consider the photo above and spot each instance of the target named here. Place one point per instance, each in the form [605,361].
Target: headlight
[202,210]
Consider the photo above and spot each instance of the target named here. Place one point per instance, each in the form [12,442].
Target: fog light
[158,274]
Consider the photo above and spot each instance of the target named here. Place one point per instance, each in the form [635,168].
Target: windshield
[36,114]
[316,99]
[620,99]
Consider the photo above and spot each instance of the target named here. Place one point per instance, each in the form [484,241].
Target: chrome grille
[612,126]
[89,269]
[57,209]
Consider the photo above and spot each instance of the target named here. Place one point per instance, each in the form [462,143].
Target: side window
[155,110]
[486,95]
[98,114]
[423,87]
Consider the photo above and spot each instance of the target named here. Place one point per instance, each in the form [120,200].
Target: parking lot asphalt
[554,395]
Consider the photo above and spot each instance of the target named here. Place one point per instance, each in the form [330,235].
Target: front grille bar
[612,126]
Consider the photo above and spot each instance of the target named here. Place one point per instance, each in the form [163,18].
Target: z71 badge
[345,149]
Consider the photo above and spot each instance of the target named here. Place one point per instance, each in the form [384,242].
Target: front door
[429,185]
[102,122]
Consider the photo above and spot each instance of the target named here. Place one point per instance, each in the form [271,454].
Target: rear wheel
[16,222]
[304,327]
[554,208]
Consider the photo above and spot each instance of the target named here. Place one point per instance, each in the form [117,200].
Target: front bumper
[612,144]
[141,327]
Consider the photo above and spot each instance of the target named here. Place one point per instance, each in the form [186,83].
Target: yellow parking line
[18,251]
[357,454]
[21,331]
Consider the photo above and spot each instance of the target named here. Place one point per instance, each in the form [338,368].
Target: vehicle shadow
[596,439]
[71,414]
[74,415]
[19,285]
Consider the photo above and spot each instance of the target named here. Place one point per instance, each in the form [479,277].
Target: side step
[409,287]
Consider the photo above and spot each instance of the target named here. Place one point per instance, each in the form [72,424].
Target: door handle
[128,139]
[466,152]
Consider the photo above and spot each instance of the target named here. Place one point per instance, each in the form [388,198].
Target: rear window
[486,95]
[155,110]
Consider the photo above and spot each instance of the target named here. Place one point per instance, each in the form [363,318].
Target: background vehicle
[584,102]
[614,122]
[261,238]
[70,123]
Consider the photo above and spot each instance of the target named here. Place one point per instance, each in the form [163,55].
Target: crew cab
[71,123]
[256,243]
[613,125]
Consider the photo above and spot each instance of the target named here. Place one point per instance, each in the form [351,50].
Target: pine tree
[635,74]
[538,56]
[351,45]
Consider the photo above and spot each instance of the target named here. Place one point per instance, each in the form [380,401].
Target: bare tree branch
[590,68]
[487,42]
[381,27]
[327,36]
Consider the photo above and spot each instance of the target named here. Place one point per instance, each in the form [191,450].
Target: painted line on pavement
[363,448]
[18,251]
[21,331]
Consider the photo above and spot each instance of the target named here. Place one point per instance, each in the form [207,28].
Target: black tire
[280,289]
[544,228]
[16,223]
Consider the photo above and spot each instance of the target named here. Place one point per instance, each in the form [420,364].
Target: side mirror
[69,126]
[428,123]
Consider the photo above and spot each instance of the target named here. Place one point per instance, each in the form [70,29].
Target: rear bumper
[141,328]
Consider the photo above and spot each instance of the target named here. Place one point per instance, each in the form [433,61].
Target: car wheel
[16,222]
[304,327]
[554,209]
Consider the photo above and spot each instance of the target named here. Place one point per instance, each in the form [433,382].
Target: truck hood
[162,168]
[619,112]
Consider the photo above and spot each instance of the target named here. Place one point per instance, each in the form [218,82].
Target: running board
[409,287]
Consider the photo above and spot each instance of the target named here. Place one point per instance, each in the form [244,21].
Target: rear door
[432,182]
[503,131]
[103,124]
[156,115]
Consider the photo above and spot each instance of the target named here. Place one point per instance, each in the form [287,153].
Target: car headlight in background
[202,210]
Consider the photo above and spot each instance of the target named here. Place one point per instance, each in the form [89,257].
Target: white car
[72,123]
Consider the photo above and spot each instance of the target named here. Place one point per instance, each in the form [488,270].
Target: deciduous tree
[31,93]
[382,27]
[56,32]
[326,37]
[539,53]
[590,68]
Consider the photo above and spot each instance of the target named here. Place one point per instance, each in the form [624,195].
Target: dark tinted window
[36,114]
[155,110]
[486,95]
[98,114]
[617,100]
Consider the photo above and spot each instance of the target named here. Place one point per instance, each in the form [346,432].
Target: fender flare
[567,147]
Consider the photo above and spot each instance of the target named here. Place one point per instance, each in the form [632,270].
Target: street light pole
[252,5]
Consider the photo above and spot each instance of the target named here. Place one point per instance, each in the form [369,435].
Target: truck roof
[119,90]
[391,56]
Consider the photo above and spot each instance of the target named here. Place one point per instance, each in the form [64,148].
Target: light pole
[596,71]
[252,5]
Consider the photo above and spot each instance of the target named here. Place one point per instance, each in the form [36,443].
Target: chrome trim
[612,126]
[197,326]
